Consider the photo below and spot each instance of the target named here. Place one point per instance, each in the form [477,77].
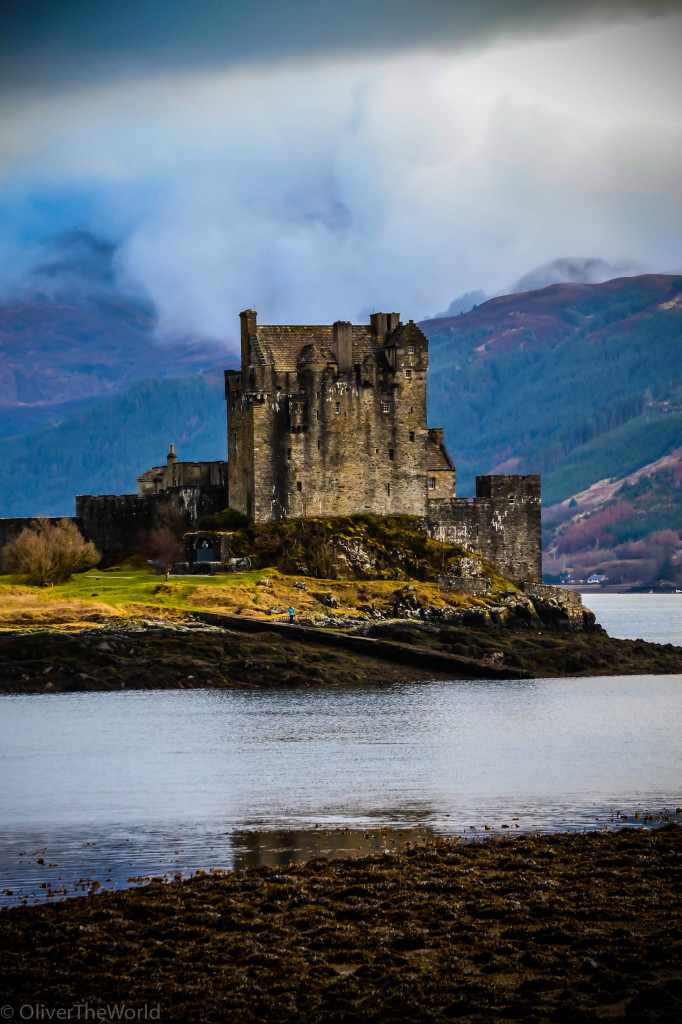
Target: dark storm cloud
[60,42]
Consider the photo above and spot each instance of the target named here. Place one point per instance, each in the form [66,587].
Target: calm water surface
[112,786]
[654,617]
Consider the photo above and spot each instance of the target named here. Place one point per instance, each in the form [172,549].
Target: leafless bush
[162,545]
[48,553]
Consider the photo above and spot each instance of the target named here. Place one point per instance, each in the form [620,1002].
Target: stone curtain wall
[503,523]
[115,522]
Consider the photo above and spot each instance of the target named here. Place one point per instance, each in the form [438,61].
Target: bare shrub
[162,544]
[48,553]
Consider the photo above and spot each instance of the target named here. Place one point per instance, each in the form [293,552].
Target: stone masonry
[331,420]
[326,421]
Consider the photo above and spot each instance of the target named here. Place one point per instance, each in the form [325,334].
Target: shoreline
[256,654]
[564,927]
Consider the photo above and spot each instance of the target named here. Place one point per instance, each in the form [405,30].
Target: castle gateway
[331,420]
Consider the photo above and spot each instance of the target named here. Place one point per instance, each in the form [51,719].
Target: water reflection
[110,787]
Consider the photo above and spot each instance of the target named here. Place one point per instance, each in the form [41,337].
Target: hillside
[103,449]
[524,382]
[59,355]
[581,383]
[626,529]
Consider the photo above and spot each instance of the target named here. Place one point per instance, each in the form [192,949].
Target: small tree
[162,545]
[48,553]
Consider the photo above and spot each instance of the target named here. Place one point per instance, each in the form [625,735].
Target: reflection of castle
[327,421]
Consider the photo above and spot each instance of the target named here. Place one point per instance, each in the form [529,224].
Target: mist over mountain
[75,330]
[578,270]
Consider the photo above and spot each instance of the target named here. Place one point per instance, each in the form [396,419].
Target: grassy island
[374,598]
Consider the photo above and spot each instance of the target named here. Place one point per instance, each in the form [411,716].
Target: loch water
[108,787]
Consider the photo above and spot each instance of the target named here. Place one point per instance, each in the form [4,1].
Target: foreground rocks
[162,657]
[194,654]
[563,928]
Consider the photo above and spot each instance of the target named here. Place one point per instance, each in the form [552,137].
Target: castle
[325,421]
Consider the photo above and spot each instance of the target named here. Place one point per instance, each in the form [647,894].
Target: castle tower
[328,420]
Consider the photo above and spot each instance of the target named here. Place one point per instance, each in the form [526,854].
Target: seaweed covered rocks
[563,928]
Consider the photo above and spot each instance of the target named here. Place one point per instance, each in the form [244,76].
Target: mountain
[60,354]
[578,382]
[576,270]
[103,449]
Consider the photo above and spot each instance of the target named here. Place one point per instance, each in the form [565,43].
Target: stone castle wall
[115,523]
[503,523]
[331,438]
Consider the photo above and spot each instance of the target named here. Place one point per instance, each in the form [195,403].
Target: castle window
[317,414]
[318,446]
[338,407]
[412,435]
[390,454]
[299,485]
[511,500]
[388,490]
[411,408]
[317,394]
[410,349]
[408,374]
[432,483]
[288,453]
[385,406]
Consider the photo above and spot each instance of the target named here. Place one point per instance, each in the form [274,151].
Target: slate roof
[285,345]
[151,474]
[437,458]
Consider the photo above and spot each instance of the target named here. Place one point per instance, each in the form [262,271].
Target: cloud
[62,43]
[316,190]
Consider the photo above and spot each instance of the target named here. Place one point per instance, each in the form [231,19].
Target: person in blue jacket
[291,616]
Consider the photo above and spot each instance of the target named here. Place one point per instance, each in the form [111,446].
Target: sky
[319,160]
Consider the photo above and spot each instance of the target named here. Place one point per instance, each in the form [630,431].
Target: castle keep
[331,420]
[325,421]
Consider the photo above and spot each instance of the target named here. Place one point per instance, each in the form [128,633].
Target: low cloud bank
[324,190]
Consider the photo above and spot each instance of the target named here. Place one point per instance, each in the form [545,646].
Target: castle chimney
[436,435]
[342,334]
[378,322]
[392,321]
[171,458]
[249,320]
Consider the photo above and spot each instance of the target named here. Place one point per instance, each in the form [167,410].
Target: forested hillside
[539,382]
[59,355]
[581,383]
[104,448]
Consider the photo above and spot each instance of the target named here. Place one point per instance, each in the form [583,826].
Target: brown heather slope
[509,319]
